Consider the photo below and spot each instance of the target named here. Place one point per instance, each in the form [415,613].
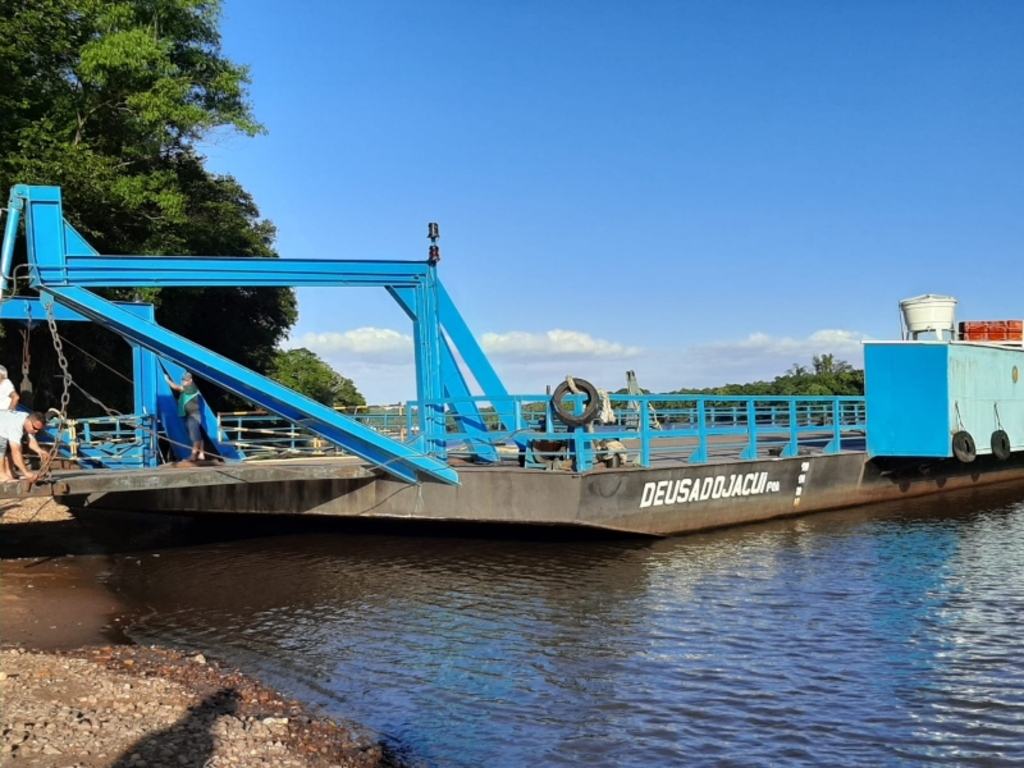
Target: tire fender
[1001,445]
[590,407]
[964,448]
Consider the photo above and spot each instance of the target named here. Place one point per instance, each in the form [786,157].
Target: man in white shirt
[13,426]
[8,395]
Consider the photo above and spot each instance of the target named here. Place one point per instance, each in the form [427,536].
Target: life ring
[964,448]
[590,407]
[1001,445]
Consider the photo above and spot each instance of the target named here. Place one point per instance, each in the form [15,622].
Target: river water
[890,635]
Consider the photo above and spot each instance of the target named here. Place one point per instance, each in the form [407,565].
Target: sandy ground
[33,511]
[74,698]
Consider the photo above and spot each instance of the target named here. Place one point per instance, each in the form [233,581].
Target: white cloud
[382,345]
[765,347]
[380,360]
[552,345]
[757,357]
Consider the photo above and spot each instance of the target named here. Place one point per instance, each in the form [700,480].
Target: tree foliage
[826,376]
[305,372]
[111,100]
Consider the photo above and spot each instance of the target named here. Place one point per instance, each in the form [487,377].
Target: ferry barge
[943,409]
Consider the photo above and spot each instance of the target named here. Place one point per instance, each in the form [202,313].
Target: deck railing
[260,435]
[112,442]
[644,429]
[687,428]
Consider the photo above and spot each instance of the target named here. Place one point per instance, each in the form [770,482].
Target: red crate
[992,330]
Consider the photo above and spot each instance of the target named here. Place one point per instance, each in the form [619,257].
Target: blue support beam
[429,389]
[14,209]
[32,313]
[59,255]
[228,271]
[62,261]
[144,368]
[152,396]
[467,415]
[472,355]
[390,455]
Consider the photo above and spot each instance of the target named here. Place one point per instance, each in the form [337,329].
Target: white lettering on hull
[669,492]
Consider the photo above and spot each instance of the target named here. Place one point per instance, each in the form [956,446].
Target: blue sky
[702,192]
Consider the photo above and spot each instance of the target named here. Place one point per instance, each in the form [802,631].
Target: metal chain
[26,355]
[65,397]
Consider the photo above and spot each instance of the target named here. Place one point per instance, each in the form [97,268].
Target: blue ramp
[174,425]
[387,454]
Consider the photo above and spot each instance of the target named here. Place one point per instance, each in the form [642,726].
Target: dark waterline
[888,635]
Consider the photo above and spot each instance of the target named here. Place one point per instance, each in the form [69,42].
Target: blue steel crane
[64,269]
[153,399]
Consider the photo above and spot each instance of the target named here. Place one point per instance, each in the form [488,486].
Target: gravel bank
[133,707]
[128,706]
[37,510]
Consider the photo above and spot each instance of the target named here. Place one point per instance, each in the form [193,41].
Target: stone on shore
[136,706]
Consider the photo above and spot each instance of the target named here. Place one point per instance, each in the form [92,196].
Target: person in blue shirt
[188,409]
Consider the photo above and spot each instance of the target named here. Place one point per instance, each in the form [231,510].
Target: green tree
[305,372]
[112,100]
[827,376]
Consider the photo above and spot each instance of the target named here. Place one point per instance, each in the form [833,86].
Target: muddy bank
[73,696]
[52,569]
[52,604]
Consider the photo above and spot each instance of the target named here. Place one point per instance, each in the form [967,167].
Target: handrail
[694,429]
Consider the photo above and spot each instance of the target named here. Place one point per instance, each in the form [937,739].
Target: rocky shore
[131,706]
[135,706]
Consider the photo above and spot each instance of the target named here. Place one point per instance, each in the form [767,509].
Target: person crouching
[14,425]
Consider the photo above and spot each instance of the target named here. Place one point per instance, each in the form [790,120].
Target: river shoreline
[75,692]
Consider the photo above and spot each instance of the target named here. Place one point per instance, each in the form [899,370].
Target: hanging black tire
[1001,445]
[590,407]
[964,448]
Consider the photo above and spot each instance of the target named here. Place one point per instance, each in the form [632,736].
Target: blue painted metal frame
[111,442]
[60,257]
[454,384]
[151,395]
[15,207]
[62,262]
[391,456]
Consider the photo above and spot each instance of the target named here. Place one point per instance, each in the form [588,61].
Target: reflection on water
[883,636]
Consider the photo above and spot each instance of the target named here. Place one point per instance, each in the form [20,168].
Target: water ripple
[864,638]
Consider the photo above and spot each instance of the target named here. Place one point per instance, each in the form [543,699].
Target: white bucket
[929,314]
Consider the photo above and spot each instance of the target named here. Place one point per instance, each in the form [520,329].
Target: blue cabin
[920,394]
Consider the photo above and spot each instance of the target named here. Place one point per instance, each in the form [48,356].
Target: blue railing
[261,435]
[688,428]
[643,431]
[111,442]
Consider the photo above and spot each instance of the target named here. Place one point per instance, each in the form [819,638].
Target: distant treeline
[826,376]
